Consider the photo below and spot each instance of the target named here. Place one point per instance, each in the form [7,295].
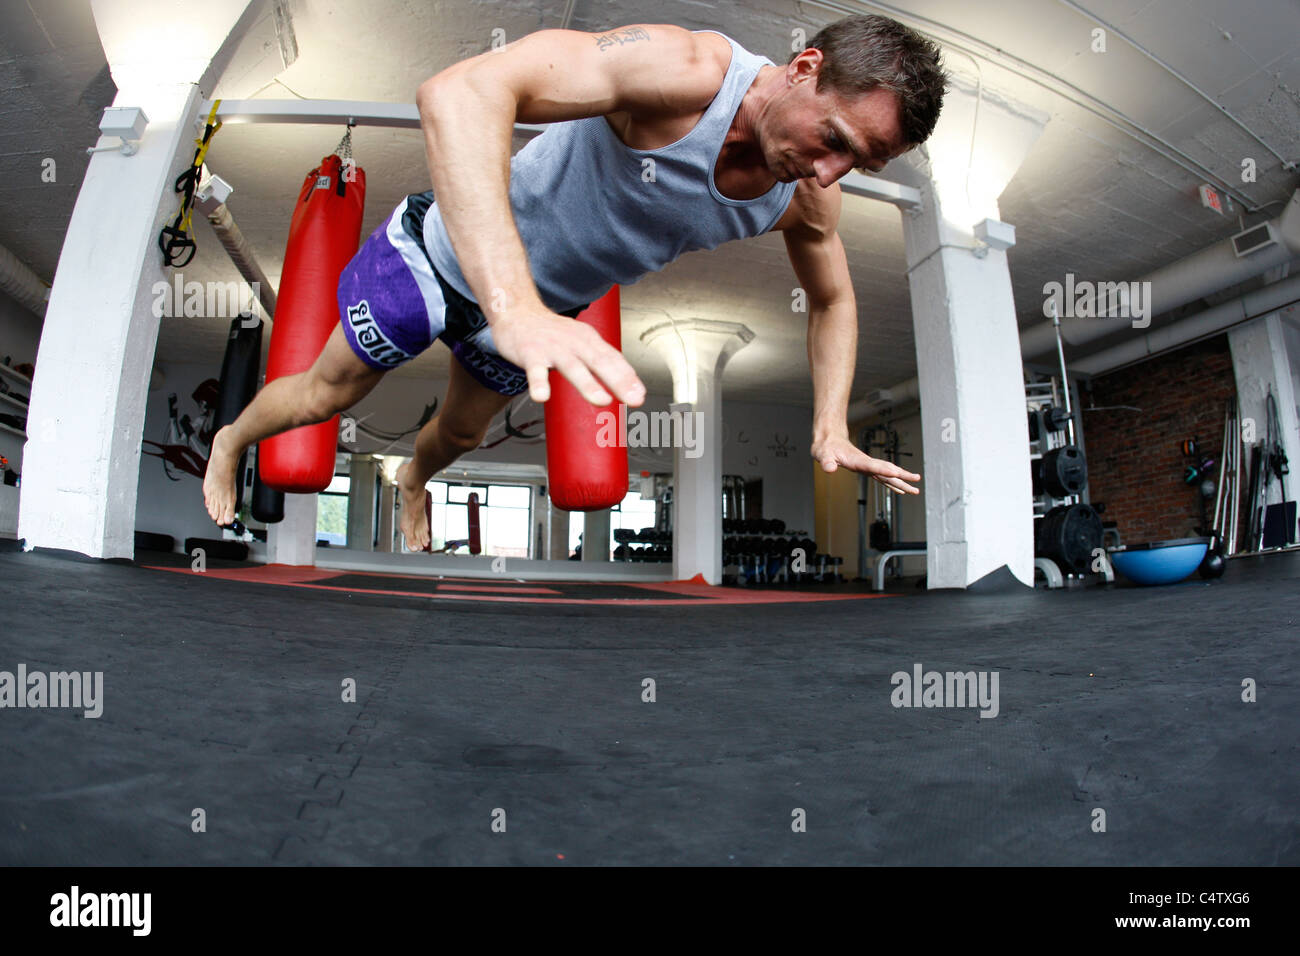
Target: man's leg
[466,413]
[335,382]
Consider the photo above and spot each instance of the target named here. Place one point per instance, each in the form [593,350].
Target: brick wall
[1135,464]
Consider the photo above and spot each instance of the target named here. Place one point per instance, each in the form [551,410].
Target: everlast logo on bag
[372,341]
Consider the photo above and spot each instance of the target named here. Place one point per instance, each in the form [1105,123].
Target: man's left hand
[836,452]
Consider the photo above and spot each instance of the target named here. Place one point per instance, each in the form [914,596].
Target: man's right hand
[539,340]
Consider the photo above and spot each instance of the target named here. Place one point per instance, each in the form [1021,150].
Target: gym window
[332,512]
[505,516]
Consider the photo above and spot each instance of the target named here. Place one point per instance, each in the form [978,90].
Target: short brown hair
[868,52]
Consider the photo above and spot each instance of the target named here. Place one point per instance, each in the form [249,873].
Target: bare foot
[415,523]
[219,480]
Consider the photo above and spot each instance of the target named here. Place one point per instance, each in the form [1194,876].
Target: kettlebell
[1213,564]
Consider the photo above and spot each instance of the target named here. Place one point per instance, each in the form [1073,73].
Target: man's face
[810,135]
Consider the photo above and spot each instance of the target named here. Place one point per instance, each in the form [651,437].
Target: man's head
[865,53]
[865,90]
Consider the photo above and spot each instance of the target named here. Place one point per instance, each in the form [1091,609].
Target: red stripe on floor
[264,574]
[703,594]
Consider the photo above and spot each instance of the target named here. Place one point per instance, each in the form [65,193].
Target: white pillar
[363,470]
[595,535]
[558,538]
[540,509]
[697,352]
[293,540]
[979,512]
[82,459]
[387,495]
[1264,356]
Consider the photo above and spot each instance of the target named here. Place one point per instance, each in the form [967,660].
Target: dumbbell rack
[760,552]
[648,544]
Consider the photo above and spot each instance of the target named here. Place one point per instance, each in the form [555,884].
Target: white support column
[293,540]
[363,470]
[697,352]
[1263,358]
[387,496]
[595,535]
[979,513]
[82,459]
[558,540]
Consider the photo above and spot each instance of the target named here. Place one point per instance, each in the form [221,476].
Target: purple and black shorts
[393,303]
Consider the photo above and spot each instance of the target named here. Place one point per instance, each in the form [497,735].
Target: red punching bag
[323,238]
[586,450]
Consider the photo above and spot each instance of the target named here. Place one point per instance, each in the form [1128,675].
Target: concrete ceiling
[1096,196]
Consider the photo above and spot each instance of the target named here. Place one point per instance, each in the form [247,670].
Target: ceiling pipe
[1213,321]
[211,200]
[1193,277]
[24,285]
[236,246]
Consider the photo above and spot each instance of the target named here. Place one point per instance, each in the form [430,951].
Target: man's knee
[459,436]
[321,401]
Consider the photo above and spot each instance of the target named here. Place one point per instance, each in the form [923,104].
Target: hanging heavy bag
[323,238]
[587,470]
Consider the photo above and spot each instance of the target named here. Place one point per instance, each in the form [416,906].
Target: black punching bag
[268,504]
[239,373]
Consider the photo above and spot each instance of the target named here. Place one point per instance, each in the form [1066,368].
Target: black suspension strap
[177,245]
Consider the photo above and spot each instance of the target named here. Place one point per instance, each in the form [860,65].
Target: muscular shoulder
[813,212]
[687,68]
[650,72]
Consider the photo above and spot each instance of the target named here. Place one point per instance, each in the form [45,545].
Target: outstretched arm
[468,112]
[819,262]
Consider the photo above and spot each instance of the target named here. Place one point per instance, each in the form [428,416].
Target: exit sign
[1210,199]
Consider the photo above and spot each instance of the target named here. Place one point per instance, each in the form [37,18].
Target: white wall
[771,442]
[164,506]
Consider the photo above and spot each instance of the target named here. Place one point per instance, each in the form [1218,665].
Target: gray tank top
[594,213]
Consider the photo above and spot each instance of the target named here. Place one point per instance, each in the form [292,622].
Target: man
[512,250]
